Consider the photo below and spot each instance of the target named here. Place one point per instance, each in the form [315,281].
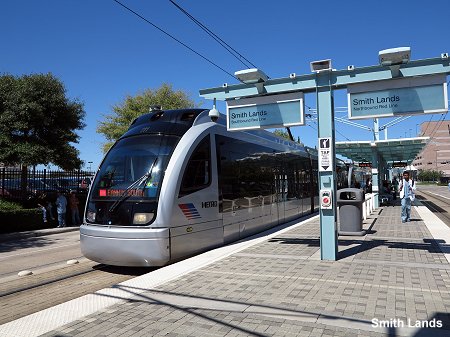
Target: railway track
[23,296]
[439,205]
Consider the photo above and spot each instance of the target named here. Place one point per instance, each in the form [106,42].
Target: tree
[117,123]
[430,175]
[38,122]
[281,133]
[284,134]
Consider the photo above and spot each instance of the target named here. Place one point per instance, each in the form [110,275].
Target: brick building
[436,155]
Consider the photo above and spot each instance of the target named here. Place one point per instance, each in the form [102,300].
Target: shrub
[9,206]
[16,219]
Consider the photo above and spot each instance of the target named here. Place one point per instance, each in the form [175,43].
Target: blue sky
[102,52]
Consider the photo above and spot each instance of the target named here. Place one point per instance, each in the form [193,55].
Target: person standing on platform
[406,189]
[368,186]
[73,203]
[61,205]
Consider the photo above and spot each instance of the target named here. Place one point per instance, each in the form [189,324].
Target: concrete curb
[36,233]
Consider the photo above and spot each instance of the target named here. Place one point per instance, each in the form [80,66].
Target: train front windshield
[130,175]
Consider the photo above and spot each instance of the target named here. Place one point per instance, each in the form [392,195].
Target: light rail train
[176,184]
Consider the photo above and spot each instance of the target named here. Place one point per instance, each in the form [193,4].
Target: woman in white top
[406,188]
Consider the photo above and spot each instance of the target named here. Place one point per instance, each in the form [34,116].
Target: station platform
[394,281]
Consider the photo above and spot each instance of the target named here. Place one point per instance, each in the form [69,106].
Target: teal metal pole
[327,179]
[375,176]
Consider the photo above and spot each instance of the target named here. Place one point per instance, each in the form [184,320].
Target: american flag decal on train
[189,211]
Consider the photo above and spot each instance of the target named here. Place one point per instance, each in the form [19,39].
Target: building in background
[436,154]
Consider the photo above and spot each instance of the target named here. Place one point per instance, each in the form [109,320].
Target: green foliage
[117,123]
[9,206]
[281,133]
[284,134]
[38,122]
[429,175]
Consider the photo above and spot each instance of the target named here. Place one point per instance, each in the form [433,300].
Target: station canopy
[391,150]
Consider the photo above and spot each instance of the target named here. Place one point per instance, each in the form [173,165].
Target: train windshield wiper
[125,195]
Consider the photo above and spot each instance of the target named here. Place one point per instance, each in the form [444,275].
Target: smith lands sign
[403,96]
[265,112]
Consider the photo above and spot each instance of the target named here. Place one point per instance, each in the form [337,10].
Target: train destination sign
[266,112]
[399,164]
[407,96]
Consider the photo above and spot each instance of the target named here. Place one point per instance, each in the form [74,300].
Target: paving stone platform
[384,282]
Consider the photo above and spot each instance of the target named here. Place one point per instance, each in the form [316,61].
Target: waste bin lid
[354,194]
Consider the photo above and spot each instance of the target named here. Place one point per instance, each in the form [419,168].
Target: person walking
[406,189]
[49,208]
[368,186]
[74,211]
[41,203]
[61,205]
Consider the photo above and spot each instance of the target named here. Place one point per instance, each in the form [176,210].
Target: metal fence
[28,184]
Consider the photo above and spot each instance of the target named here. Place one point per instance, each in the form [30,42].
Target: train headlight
[142,218]
[90,215]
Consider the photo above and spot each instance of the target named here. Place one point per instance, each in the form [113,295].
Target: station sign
[400,96]
[265,112]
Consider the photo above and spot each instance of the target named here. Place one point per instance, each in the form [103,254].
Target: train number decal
[209,204]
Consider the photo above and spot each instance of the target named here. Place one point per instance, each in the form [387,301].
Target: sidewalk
[276,285]
[36,233]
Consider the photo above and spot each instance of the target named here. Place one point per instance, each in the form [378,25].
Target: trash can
[350,202]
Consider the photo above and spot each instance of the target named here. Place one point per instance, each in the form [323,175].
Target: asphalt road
[53,280]
[36,253]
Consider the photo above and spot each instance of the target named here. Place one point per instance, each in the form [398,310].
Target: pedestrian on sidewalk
[406,188]
[368,186]
[61,205]
[73,203]
[41,203]
[44,212]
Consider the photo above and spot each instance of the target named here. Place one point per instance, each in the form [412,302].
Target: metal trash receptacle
[350,202]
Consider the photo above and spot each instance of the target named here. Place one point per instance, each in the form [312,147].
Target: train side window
[197,174]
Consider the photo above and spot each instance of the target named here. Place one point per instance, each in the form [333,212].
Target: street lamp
[90,165]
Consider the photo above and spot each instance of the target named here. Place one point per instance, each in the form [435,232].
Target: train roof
[178,122]
[174,122]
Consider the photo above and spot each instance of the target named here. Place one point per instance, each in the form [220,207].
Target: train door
[280,192]
[307,188]
[293,203]
[245,187]
[314,184]
[197,217]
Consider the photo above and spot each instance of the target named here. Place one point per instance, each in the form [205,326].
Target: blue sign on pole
[265,112]
[427,94]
